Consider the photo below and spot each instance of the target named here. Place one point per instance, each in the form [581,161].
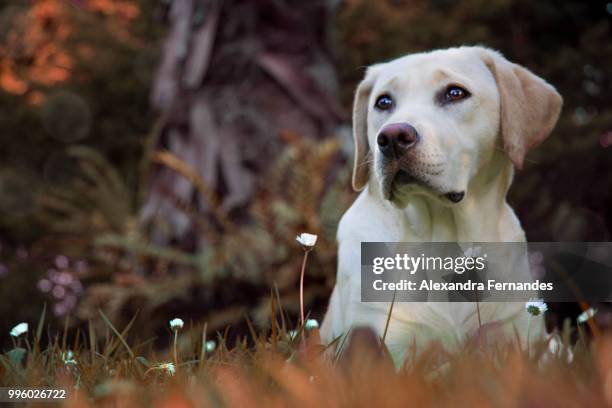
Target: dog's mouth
[394,184]
[403,178]
[402,181]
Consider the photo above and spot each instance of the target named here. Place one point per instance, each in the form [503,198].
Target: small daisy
[307,240]
[20,329]
[536,307]
[176,324]
[586,315]
[68,358]
[169,368]
[311,324]
[210,346]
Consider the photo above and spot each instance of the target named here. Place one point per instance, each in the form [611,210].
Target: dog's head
[427,123]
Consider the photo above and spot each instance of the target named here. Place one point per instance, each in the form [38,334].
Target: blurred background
[160,156]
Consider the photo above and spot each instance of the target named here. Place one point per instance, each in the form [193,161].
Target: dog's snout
[396,139]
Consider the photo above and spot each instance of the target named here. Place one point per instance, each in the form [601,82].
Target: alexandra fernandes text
[469,285]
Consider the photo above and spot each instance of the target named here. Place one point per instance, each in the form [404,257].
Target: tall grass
[277,368]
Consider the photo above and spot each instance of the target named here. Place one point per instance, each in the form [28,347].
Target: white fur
[463,143]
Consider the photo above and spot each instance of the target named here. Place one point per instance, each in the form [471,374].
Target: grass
[292,368]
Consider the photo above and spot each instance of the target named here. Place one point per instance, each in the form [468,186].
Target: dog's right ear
[361,167]
[530,106]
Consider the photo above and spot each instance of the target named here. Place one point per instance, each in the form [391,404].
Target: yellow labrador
[437,137]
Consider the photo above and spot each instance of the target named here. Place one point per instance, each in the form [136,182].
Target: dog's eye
[454,93]
[384,103]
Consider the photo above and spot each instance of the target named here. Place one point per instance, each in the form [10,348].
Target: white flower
[586,315]
[210,346]
[536,307]
[176,324]
[168,367]
[307,240]
[292,334]
[311,324]
[20,329]
[68,358]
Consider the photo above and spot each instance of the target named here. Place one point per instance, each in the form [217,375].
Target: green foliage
[95,201]
[304,190]
[103,105]
[71,149]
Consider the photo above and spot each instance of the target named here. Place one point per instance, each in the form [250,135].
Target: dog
[438,136]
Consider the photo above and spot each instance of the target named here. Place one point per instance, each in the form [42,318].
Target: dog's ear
[530,106]
[360,130]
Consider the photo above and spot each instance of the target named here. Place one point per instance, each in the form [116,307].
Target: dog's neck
[482,216]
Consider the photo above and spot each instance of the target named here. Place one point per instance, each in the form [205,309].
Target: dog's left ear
[360,129]
[530,106]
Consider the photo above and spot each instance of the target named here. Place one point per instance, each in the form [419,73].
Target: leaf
[119,335]
[41,323]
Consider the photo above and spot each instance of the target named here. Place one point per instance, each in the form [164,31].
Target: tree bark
[233,76]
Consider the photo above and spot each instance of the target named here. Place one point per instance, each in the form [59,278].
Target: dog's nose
[396,139]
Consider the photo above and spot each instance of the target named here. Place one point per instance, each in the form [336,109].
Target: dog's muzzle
[397,143]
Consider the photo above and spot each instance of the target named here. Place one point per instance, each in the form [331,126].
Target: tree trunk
[233,76]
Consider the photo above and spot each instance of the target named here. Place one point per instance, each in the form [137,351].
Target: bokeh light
[66,117]
[62,284]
